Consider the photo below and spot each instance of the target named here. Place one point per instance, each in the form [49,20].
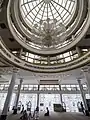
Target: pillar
[83,97]
[78,51]
[17,96]
[9,94]
[60,94]
[38,98]
[87,77]
[21,51]
[48,60]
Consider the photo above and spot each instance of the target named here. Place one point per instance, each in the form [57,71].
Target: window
[34,12]
[66,54]
[67,59]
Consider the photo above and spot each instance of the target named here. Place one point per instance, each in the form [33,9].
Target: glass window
[47,100]
[14,52]
[37,61]
[71,101]
[85,87]
[22,87]
[30,60]
[61,56]
[1,87]
[6,85]
[85,50]
[25,85]
[73,85]
[75,56]
[67,59]
[70,52]
[68,87]
[66,54]
[34,12]
[31,55]
[87,96]
[16,87]
[25,98]
[2,99]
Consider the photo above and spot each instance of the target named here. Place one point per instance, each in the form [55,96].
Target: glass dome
[35,12]
[48,20]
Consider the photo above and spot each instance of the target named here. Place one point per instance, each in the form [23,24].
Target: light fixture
[49,32]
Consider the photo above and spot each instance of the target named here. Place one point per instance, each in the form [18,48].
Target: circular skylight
[36,11]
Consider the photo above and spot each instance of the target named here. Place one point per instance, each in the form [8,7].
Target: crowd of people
[35,115]
[29,116]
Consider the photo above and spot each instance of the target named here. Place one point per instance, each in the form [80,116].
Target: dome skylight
[34,11]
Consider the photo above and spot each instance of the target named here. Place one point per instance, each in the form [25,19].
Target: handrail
[32,67]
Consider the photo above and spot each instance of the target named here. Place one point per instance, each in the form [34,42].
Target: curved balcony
[70,89]
[34,48]
[79,62]
[33,58]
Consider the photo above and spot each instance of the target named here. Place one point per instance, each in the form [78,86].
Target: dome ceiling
[47,20]
[35,12]
[47,27]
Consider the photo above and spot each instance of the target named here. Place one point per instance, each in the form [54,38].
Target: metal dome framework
[35,11]
[48,20]
[31,39]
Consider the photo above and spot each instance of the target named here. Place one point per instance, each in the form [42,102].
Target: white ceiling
[69,77]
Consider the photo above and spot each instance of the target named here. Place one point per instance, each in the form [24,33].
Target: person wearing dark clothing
[82,107]
[37,108]
[36,114]
[24,116]
[22,109]
[47,113]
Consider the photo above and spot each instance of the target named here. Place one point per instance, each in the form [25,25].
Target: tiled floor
[56,116]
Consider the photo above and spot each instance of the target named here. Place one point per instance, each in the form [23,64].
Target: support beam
[78,51]
[9,94]
[17,96]
[87,77]
[38,98]
[83,98]
[48,60]
[21,51]
[60,95]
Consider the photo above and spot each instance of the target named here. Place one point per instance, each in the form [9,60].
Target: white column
[83,96]
[87,77]
[18,93]
[38,96]
[78,51]
[21,51]
[9,94]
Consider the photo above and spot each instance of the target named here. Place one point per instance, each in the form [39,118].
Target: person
[82,107]
[24,116]
[36,113]
[29,116]
[37,108]
[47,113]
[22,109]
